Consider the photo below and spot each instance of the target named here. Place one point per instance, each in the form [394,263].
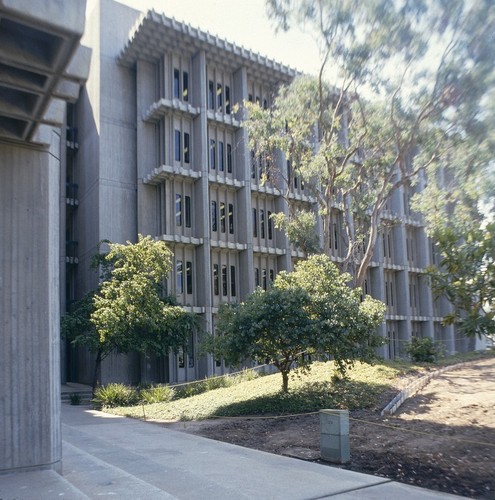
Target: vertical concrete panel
[244,205]
[29,309]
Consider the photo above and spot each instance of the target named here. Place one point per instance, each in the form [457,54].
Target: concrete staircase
[84,392]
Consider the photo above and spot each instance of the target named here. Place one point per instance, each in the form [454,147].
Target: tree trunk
[97,372]
[368,254]
[285,380]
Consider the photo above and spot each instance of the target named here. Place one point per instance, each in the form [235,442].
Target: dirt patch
[443,438]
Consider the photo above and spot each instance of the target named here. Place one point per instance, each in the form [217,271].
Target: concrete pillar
[334,436]
[29,308]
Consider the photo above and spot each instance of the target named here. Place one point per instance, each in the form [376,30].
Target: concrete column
[29,308]
[244,199]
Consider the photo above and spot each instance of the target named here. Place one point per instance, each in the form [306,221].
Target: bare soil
[443,438]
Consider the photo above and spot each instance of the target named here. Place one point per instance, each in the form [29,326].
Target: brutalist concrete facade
[161,151]
[42,67]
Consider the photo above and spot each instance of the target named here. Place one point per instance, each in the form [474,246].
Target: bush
[112,395]
[156,394]
[246,375]
[423,350]
[75,398]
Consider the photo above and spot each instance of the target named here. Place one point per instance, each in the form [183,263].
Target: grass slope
[263,395]
[307,392]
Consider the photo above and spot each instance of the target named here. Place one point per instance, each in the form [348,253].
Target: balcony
[71,190]
[71,252]
[71,139]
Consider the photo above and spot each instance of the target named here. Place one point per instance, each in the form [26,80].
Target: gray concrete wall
[29,308]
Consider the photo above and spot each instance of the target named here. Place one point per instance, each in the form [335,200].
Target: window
[185,86]
[189,286]
[263,278]
[176,83]
[227,100]
[265,104]
[256,277]
[181,357]
[289,172]
[253,165]
[211,95]
[220,156]
[190,350]
[213,215]
[222,217]
[177,145]
[250,97]
[229,158]
[255,223]
[232,281]
[215,279]
[270,226]
[387,245]
[180,282]
[224,281]
[212,154]
[272,275]
[186,148]
[219,97]
[187,210]
[262,223]
[231,218]
[178,210]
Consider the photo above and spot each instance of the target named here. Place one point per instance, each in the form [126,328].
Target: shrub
[423,350]
[188,390]
[217,382]
[246,375]
[75,398]
[112,395]
[156,394]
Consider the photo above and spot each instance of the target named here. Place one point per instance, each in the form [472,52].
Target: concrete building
[42,66]
[160,151]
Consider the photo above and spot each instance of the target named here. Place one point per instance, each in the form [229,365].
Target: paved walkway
[106,455]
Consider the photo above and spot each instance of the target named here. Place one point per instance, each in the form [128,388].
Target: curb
[417,385]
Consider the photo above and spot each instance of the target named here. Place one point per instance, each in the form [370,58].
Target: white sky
[243,22]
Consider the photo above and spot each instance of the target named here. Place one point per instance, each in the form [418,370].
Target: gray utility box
[334,436]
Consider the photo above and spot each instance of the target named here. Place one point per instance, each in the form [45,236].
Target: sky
[243,22]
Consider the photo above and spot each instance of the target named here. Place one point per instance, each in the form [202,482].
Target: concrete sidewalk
[105,455]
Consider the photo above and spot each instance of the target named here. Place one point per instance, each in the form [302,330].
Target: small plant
[246,375]
[191,389]
[75,399]
[112,395]
[217,382]
[156,394]
[423,350]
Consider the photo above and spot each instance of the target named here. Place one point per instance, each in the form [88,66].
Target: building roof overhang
[155,34]
[42,66]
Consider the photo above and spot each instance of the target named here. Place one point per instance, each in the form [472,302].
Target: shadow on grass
[345,394]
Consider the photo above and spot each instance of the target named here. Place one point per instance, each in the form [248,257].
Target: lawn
[363,389]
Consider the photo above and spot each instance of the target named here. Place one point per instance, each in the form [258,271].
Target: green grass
[307,393]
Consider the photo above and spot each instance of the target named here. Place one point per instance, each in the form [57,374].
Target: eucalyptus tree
[401,89]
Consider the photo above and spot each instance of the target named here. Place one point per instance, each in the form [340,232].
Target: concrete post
[334,436]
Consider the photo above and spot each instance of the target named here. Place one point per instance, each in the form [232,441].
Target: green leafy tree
[426,69]
[466,277]
[127,312]
[309,311]
[272,325]
[344,322]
